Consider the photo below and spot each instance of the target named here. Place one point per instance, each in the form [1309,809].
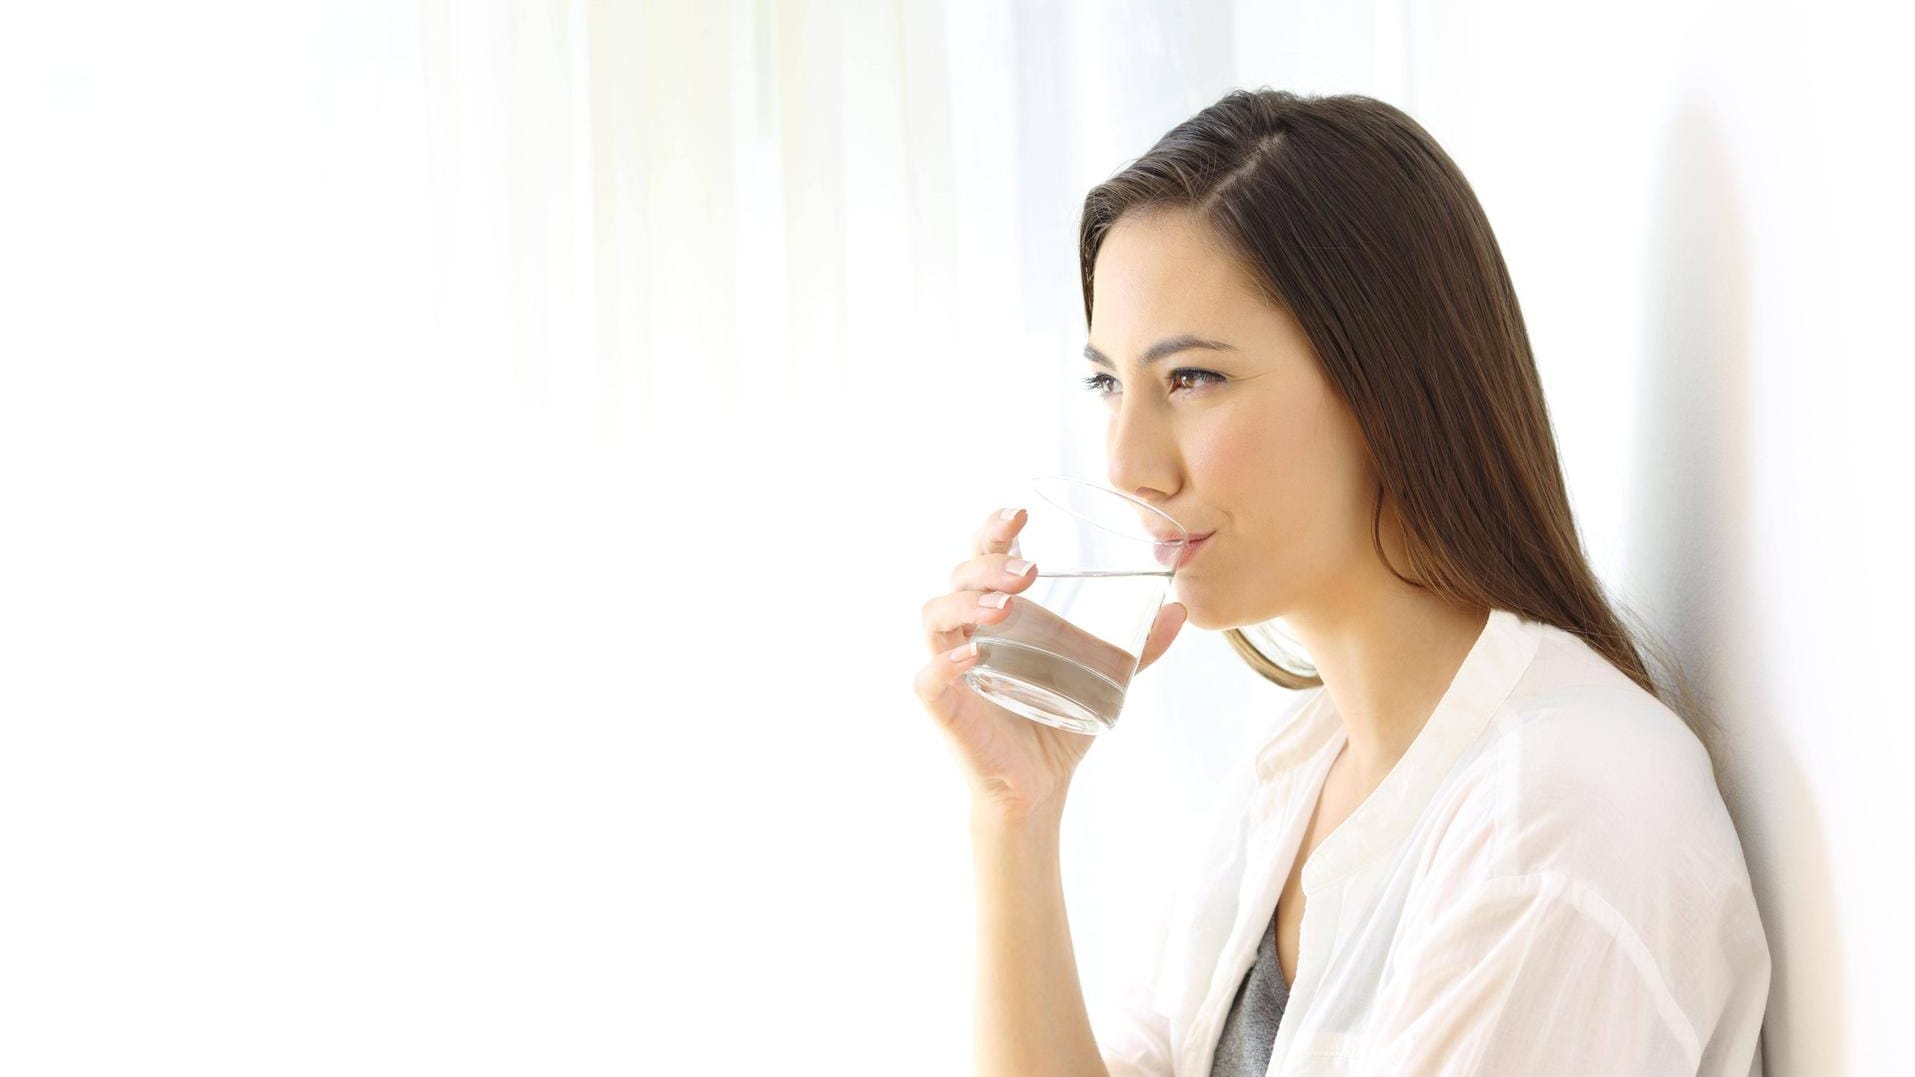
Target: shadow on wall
[1689,562]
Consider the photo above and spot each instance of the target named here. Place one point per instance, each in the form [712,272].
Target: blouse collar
[1497,659]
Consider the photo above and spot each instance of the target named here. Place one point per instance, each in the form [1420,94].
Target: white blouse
[1546,882]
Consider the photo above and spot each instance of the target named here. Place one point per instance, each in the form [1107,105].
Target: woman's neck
[1386,662]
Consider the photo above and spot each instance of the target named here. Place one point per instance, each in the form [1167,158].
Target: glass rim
[1091,484]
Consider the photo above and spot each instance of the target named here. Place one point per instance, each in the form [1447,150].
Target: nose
[1142,450]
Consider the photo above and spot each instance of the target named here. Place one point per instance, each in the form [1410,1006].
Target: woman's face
[1269,457]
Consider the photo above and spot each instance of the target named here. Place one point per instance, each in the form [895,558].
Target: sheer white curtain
[485,463]
[813,266]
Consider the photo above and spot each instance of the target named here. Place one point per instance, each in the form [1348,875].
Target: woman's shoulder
[1584,774]
[1577,725]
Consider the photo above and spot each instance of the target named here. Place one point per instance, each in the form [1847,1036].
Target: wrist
[1027,818]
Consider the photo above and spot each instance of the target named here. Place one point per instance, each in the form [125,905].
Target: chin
[1198,616]
[1212,617]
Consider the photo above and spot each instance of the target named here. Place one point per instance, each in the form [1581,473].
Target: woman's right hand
[1014,765]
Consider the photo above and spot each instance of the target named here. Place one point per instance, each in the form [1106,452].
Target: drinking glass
[1067,652]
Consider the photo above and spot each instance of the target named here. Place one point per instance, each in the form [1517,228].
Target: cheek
[1237,457]
[1338,489]
[1267,460]
[1291,477]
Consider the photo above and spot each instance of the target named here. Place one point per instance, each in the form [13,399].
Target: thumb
[1169,620]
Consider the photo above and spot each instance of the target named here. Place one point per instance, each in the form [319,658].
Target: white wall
[1705,210]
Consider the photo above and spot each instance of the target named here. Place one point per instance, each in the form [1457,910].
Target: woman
[1481,843]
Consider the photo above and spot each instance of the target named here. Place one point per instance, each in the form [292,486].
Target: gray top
[1243,1049]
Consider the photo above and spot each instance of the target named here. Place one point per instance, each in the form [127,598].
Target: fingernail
[1016,567]
[993,598]
[964,652]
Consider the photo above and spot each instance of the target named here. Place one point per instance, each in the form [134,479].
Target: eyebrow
[1160,350]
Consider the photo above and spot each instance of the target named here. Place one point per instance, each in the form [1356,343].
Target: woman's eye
[1101,384]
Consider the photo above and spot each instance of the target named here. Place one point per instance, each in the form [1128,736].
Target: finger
[993,572]
[950,619]
[999,532]
[1169,621]
[933,683]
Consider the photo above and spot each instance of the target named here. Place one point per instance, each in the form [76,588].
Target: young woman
[1481,842]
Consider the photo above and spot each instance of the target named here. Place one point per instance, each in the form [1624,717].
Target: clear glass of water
[1067,652]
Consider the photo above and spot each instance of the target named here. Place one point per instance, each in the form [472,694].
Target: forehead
[1166,271]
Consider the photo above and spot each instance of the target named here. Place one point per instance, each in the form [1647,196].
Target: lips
[1173,536]
[1184,552]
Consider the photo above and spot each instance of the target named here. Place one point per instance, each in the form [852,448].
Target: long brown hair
[1345,211]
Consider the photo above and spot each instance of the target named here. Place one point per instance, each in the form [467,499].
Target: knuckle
[926,685]
[962,574]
